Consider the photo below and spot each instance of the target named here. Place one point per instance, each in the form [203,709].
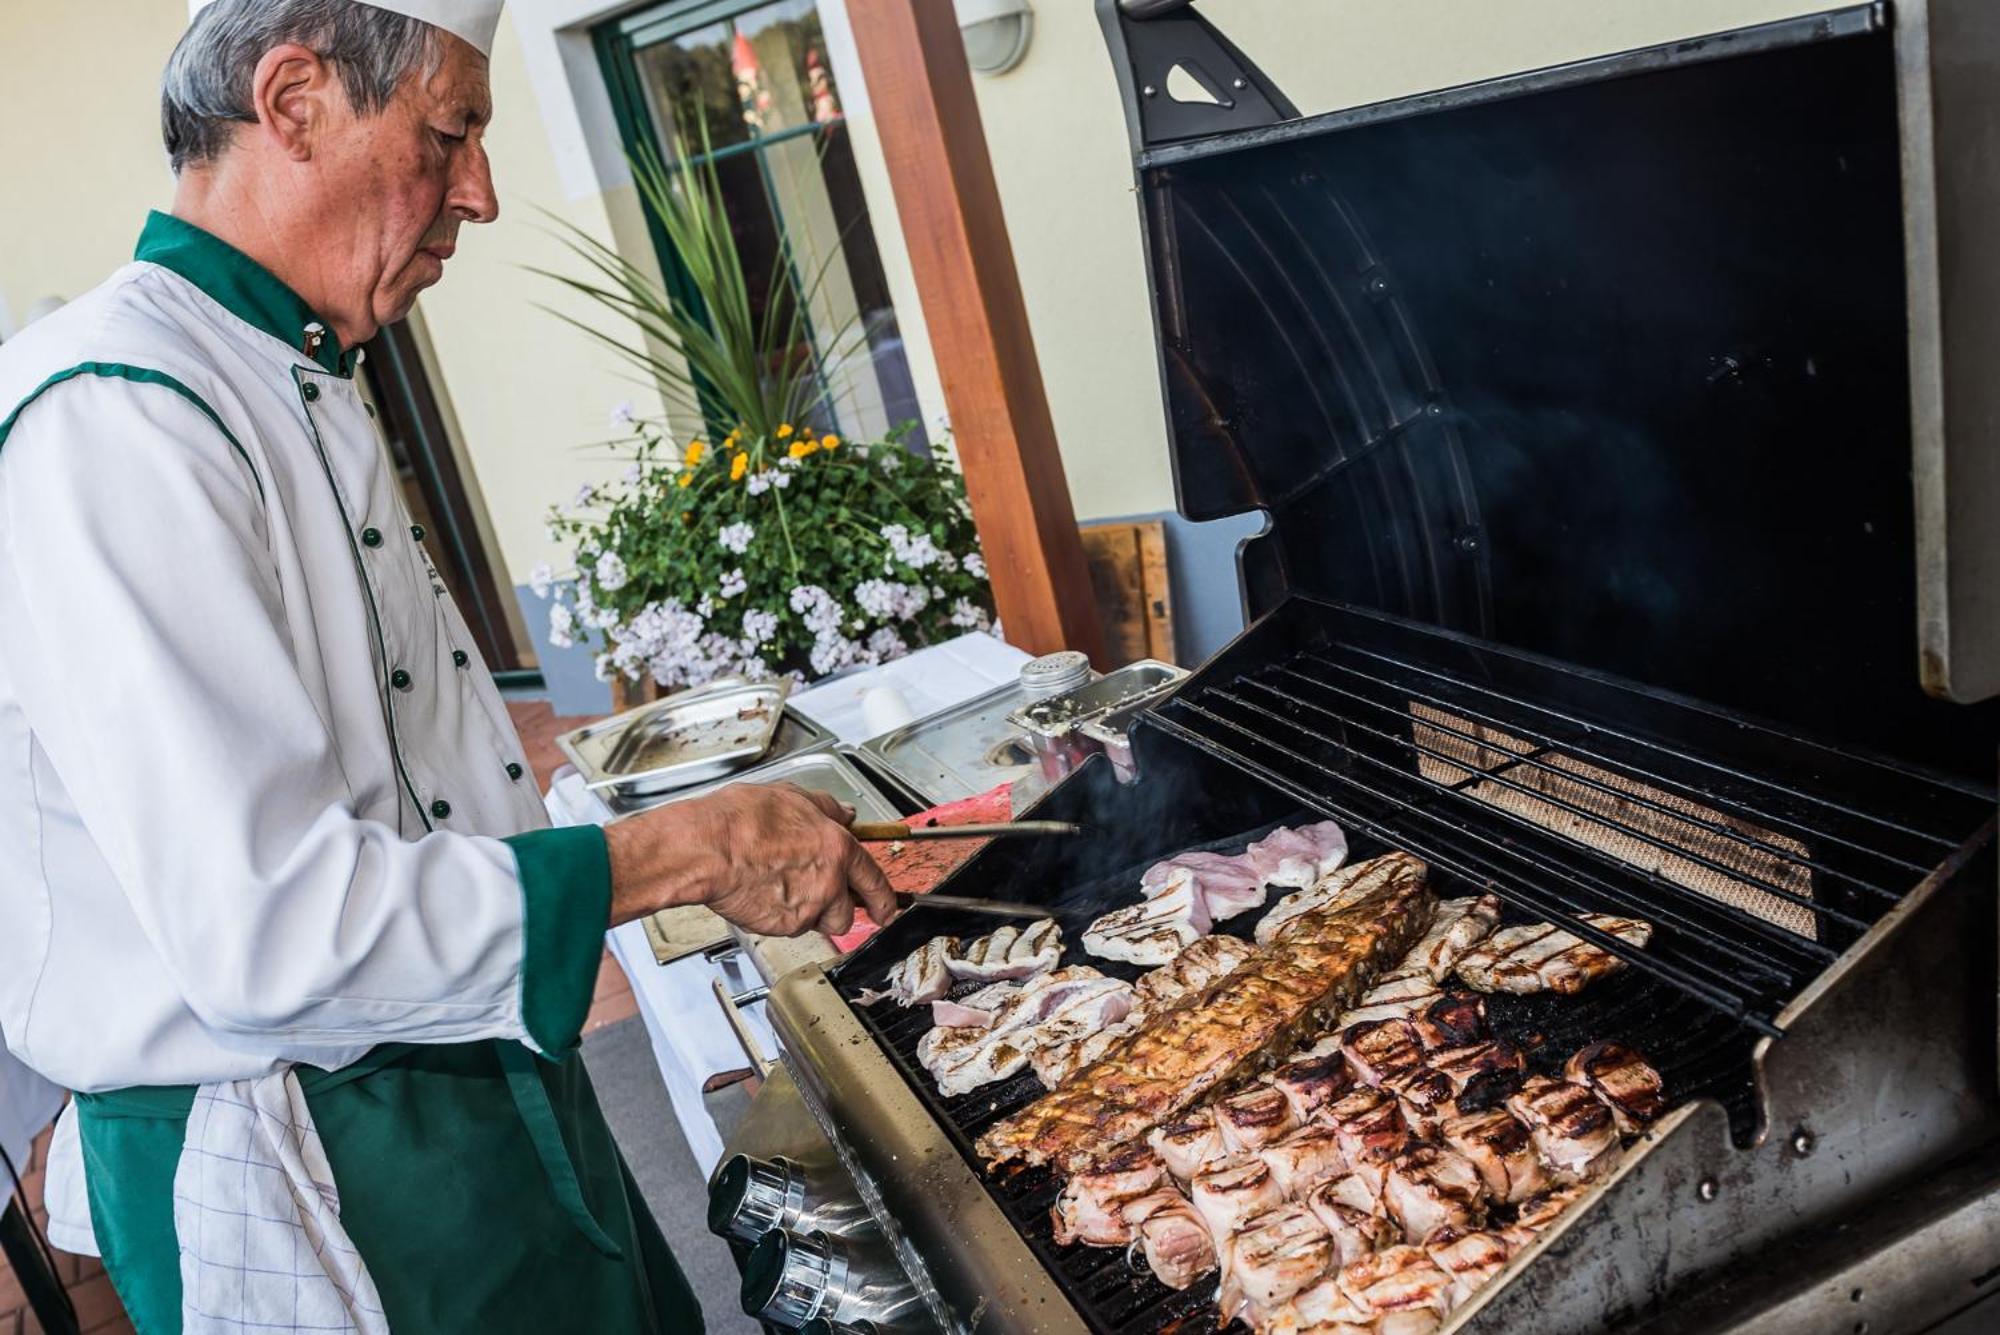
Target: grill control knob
[750,1197]
[790,1279]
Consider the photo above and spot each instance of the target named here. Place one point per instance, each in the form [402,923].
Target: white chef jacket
[253,773]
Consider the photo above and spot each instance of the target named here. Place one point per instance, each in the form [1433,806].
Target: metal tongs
[879,831]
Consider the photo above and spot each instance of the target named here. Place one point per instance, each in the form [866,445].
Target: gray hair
[205,91]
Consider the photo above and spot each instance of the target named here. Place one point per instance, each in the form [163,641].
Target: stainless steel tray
[1122,691]
[959,751]
[797,735]
[680,741]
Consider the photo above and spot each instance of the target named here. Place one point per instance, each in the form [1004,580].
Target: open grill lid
[1615,363]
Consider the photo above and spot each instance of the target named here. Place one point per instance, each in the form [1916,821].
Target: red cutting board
[915,866]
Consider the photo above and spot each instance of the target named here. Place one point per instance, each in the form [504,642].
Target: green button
[371,537]
[440,809]
[417,532]
[400,679]
[311,391]
[513,770]
[460,658]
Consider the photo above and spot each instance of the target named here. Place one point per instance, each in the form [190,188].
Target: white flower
[541,579]
[968,616]
[601,618]
[887,600]
[733,583]
[781,480]
[705,608]
[622,414]
[831,652]
[561,623]
[757,483]
[603,667]
[633,473]
[916,551]
[975,565]
[584,495]
[759,626]
[736,537]
[611,572]
[886,645]
[820,610]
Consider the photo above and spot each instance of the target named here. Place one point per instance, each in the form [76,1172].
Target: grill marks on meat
[1370,1126]
[1356,1230]
[1189,1146]
[1010,952]
[923,976]
[1460,925]
[1378,1049]
[1316,965]
[1153,930]
[1172,1236]
[1430,1189]
[1501,1149]
[1234,1192]
[1311,1083]
[1253,1118]
[1336,891]
[1545,958]
[1270,1259]
[1572,1128]
[964,1058]
[1481,1074]
[1200,964]
[1091,1208]
[1303,1158]
[976,1010]
[1471,1259]
[1616,1074]
[1397,1279]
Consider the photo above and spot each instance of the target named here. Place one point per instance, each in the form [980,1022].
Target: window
[750,80]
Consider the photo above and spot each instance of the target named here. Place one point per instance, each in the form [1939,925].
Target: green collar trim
[245,288]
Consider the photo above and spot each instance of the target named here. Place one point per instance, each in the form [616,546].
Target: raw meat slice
[1091,1207]
[1226,885]
[925,975]
[1175,1241]
[1429,1189]
[974,1009]
[1298,856]
[1152,931]
[1010,952]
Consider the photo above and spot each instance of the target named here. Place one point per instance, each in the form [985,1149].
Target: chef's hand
[771,858]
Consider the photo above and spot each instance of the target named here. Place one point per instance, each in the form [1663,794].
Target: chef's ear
[293,94]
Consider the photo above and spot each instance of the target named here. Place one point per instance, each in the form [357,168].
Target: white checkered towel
[258,1219]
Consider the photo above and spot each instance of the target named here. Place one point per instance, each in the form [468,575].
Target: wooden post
[921,90]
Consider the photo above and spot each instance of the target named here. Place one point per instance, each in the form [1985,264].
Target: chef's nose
[472,196]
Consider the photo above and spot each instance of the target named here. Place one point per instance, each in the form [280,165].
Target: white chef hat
[474,20]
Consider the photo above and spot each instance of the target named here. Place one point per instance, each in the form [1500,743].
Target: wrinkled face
[403,181]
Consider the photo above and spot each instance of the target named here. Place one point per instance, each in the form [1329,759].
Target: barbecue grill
[1587,408]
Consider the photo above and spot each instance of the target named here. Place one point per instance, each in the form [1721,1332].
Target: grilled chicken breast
[1430,1189]
[1194,968]
[924,975]
[1460,925]
[1010,952]
[1545,958]
[1615,1073]
[1151,931]
[1470,1258]
[1336,891]
[1077,1041]
[1499,1146]
[1398,1279]
[1176,1242]
[964,1058]
[1572,1128]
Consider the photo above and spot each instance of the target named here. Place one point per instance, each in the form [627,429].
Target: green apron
[479,1182]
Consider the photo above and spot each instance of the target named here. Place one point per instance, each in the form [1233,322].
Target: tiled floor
[97,1307]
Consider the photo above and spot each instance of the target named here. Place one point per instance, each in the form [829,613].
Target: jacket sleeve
[147,642]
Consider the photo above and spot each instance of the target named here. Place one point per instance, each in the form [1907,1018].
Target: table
[692,1040]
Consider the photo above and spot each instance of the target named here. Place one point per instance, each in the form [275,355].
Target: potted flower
[768,545]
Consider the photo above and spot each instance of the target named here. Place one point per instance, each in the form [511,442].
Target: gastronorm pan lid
[1614,362]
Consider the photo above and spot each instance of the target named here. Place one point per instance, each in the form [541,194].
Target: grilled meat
[1189,1146]
[1270,1259]
[963,1059]
[1355,1230]
[1460,925]
[1310,1083]
[1377,1049]
[1233,1191]
[1481,1074]
[1010,952]
[1253,1118]
[1298,857]
[1315,965]
[1545,958]
[1336,891]
[1499,1146]
[1303,1158]
[1153,930]
[1470,1258]
[1075,1043]
[974,1010]
[1429,1189]
[1091,1207]
[1425,1097]
[1618,1075]
[1396,997]
[1456,1019]
[1398,1279]
[1175,1240]
[1538,1212]
[1572,1128]
[1322,1308]
[925,975]
[1370,1126]
[1197,965]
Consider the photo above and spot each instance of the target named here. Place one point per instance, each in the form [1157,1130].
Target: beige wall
[1057,136]
[80,156]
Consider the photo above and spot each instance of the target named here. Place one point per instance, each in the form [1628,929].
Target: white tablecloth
[692,1041]
[27,1104]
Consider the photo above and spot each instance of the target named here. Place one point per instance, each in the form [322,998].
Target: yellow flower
[829,442]
[784,430]
[800,449]
[686,478]
[693,455]
[738,467]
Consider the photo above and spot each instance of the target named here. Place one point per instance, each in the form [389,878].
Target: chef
[277,898]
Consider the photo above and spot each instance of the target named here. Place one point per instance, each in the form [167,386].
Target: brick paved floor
[97,1307]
